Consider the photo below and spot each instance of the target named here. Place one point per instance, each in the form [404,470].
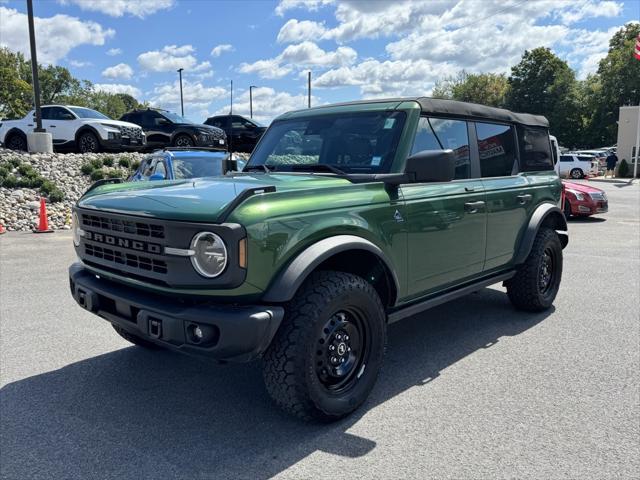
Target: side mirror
[66,116]
[156,176]
[431,166]
[163,121]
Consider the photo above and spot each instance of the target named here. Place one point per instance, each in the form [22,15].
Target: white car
[576,166]
[73,127]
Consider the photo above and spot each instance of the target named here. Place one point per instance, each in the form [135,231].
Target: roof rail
[184,149]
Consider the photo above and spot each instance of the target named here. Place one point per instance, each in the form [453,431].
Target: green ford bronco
[346,218]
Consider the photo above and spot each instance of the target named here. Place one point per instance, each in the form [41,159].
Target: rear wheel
[183,141]
[536,284]
[576,173]
[17,142]
[136,340]
[326,356]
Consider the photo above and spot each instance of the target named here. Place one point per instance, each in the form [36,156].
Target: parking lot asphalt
[469,390]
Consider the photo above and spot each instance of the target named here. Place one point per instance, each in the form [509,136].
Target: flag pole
[637,159]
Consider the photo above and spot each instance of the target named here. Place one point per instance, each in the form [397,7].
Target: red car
[583,200]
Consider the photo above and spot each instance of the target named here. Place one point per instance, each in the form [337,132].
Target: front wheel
[88,143]
[326,355]
[535,286]
[576,173]
[183,141]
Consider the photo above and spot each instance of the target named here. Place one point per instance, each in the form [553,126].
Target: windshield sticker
[389,123]
[375,161]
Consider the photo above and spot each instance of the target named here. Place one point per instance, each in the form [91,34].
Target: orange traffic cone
[43,226]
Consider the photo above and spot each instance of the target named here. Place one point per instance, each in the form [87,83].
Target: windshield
[353,143]
[175,118]
[88,113]
[194,167]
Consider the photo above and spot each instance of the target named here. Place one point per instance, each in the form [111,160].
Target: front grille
[142,229]
[598,196]
[134,133]
[129,259]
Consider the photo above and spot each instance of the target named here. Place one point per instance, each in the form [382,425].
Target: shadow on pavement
[134,413]
[574,219]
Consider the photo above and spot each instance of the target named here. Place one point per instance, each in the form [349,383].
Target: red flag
[636,51]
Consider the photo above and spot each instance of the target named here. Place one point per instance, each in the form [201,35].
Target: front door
[446,222]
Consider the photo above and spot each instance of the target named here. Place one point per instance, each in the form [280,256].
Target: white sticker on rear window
[388,123]
[375,161]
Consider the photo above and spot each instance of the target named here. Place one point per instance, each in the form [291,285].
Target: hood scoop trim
[244,194]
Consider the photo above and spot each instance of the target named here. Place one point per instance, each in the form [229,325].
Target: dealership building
[627,134]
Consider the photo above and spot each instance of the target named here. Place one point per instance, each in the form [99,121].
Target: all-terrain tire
[136,340]
[16,142]
[297,367]
[536,284]
[88,143]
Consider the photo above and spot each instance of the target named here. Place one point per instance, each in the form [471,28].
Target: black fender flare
[83,129]
[291,277]
[544,212]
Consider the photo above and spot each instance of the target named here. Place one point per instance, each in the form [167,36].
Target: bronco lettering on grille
[123,242]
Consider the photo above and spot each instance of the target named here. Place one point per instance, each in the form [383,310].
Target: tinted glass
[194,167]
[566,158]
[59,113]
[175,118]
[82,112]
[354,143]
[148,119]
[445,134]
[584,158]
[496,148]
[46,112]
[160,169]
[535,149]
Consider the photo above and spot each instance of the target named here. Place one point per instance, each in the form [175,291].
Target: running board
[416,308]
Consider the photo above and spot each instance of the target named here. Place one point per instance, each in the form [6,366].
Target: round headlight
[210,254]
[75,228]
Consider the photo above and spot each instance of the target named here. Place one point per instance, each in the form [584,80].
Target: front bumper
[229,332]
[590,208]
[123,143]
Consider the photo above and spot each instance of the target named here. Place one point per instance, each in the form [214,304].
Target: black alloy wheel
[183,141]
[17,142]
[88,143]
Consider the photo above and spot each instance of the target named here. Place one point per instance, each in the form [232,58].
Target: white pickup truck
[74,127]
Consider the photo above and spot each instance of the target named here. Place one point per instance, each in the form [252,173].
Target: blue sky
[355,49]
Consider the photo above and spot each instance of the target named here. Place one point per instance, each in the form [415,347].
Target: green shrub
[114,174]
[87,168]
[37,182]
[47,187]
[623,169]
[4,172]
[96,163]
[124,162]
[15,162]
[10,181]
[25,169]
[107,161]
[56,195]
[135,165]
[97,175]
[24,182]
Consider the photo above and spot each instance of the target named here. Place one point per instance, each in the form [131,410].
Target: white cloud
[201,67]
[311,5]
[168,59]
[220,49]
[55,36]
[297,31]
[267,103]
[302,55]
[122,70]
[576,12]
[196,95]
[118,88]
[589,50]
[79,63]
[118,8]
[112,52]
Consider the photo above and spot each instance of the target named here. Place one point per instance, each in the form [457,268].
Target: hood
[199,126]
[199,200]
[581,187]
[119,123]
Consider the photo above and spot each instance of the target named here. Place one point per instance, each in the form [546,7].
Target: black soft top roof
[474,110]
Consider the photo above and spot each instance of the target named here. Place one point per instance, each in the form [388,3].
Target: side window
[238,123]
[147,119]
[496,148]
[445,134]
[46,112]
[58,113]
[566,158]
[535,149]
[147,168]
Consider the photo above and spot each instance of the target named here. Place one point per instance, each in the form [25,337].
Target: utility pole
[251,100]
[230,136]
[181,102]
[637,160]
[309,89]
[38,140]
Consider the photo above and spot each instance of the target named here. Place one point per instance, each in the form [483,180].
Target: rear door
[446,222]
[508,195]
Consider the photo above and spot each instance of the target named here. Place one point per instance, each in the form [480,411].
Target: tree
[543,84]
[15,92]
[619,76]
[484,88]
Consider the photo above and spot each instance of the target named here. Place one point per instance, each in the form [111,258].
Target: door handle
[522,199]
[473,207]
[29,124]
[469,189]
[52,126]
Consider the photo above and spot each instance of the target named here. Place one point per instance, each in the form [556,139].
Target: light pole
[251,100]
[181,102]
[309,90]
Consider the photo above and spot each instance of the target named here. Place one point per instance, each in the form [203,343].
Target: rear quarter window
[535,149]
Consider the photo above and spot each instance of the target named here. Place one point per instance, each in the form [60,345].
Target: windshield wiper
[317,167]
[258,167]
